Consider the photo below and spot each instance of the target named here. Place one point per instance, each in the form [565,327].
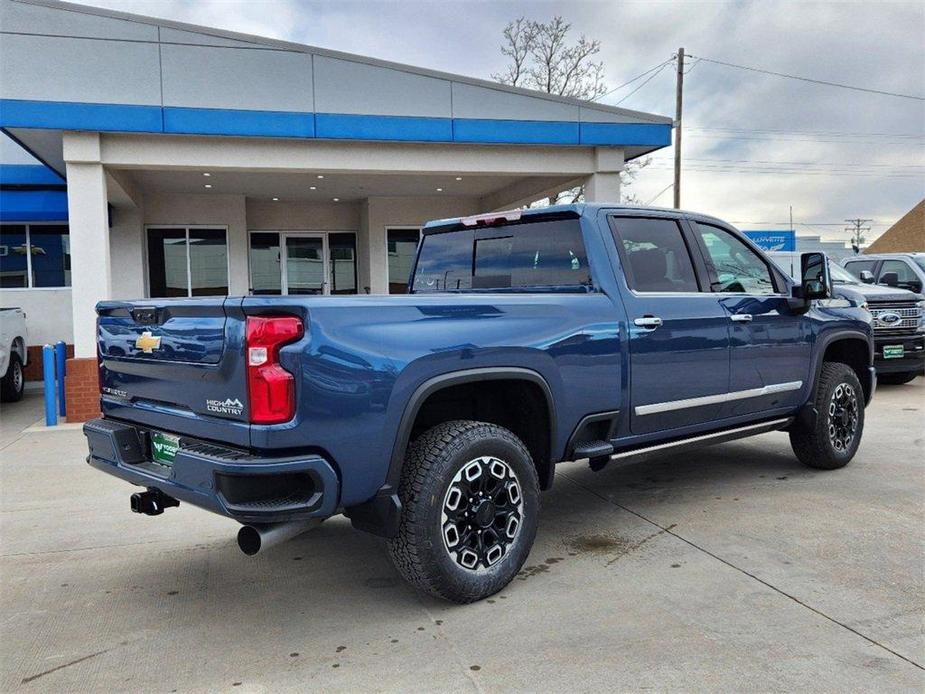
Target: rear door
[679,340]
[175,364]
[770,344]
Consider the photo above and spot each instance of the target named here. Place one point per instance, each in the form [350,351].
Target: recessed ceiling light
[313,187]
[439,190]
[320,175]
[208,185]
[336,199]
[206,173]
[275,199]
[459,178]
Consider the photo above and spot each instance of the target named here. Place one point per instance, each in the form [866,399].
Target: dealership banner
[782,240]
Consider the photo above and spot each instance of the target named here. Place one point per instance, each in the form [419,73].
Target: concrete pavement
[731,568]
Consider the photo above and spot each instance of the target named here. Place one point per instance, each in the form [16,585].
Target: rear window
[517,256]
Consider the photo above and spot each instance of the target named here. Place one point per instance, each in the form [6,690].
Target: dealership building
[147,158]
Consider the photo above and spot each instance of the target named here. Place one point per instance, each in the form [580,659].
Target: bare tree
[541,57]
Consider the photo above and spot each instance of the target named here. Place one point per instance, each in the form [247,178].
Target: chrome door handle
[651,322]
[741,318]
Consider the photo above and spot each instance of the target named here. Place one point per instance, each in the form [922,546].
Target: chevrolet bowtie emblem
[147,342]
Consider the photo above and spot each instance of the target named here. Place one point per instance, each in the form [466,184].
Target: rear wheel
[470,500]
[836,434]
[13,383]
[897,379]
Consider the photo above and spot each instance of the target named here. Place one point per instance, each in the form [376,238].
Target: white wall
[48,313]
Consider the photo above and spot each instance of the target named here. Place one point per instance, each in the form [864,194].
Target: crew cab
[580,332]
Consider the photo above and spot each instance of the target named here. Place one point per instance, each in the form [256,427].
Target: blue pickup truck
[580,332]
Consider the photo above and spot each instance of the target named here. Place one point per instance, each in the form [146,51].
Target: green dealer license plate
[164,447]
[893,352]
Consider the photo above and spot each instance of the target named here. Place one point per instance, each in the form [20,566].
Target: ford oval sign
[889,318]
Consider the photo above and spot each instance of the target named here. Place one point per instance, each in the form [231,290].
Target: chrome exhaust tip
[253,539]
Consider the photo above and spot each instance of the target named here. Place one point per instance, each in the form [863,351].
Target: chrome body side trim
[658,407]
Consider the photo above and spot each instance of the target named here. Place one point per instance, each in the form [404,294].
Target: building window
[187,261]
[264,261]
[402,247]
[34,255]
[343,252]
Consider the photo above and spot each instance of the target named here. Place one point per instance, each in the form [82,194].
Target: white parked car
[13,354]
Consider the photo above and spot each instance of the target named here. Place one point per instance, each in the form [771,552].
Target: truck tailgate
[176,364]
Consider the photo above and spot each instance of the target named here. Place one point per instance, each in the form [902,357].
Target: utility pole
[679,94]
[857,230]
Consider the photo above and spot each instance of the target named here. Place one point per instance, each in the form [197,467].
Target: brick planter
[82,389]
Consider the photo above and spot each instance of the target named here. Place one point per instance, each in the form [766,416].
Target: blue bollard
[48,372]
[60,372]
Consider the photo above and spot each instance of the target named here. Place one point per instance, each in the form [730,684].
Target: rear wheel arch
[539,437]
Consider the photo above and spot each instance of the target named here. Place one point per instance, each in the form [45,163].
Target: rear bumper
[250,489]
[913,359]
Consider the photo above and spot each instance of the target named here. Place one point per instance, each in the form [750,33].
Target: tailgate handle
[146,315]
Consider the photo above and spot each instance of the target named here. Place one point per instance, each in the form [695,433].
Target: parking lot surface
[730,568]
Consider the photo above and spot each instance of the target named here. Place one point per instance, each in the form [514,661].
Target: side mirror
[815,282]
[890,279]
[866,276]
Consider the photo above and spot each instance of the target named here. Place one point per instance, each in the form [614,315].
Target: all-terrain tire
[836,434]
[896,379]
[435,465]
[13,383]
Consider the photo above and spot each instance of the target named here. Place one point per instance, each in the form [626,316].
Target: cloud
[877,45]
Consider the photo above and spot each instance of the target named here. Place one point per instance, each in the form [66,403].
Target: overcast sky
[851,154]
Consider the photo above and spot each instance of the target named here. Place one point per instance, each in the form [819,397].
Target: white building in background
[149,158]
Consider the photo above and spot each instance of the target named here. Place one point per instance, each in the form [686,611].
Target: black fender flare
[455,378]
[380,515]
[835,336]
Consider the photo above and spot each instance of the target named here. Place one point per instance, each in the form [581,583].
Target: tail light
[270,387]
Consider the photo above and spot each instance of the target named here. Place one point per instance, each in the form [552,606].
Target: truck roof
[578,209]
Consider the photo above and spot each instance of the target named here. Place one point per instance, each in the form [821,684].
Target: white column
[604,184]
[91,278]
[374,247]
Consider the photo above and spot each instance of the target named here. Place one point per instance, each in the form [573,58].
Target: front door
[679,338]
[770,343]
[304,259]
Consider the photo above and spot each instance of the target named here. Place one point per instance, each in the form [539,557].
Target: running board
[723,436]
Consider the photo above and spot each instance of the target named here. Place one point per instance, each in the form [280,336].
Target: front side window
[655,256]
[544,254]
[34,255]
[905,275]
[187,262]
[856,267]
[739,270]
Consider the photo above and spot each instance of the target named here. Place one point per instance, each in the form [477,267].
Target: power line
[826,133]
[626,84]
[651,77]
[661,192]
[846,164]
[811,80]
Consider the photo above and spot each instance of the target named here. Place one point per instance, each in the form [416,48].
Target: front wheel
[834,439]
[470,501]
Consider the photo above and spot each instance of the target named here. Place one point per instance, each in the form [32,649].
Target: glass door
[304,263]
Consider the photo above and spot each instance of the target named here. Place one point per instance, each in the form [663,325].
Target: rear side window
[656,258]
[530,255]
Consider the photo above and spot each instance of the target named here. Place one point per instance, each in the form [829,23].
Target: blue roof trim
[61,115]
[29,175]
[520,132]
[650,134]
[346,126]
[33,206]
[65,115]
[219,121]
